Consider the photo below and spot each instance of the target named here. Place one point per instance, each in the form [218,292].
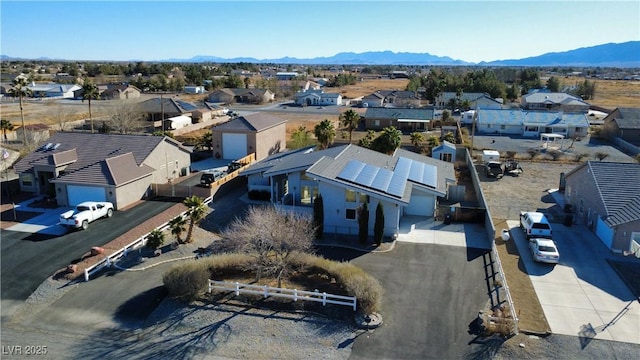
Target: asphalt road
[432,294]
[28,259]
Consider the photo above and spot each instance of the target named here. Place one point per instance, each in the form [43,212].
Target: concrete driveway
[582,295]
[48,222]
[423,230]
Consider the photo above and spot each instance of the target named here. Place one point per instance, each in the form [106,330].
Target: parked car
[86,212]
[535,224]
[544,250]
[233,166]
[493,169]
[208,177]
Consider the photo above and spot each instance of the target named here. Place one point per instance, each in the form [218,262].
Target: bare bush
[271,236]
[188,280]
[126,117]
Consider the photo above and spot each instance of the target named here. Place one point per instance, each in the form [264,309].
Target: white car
[544,250]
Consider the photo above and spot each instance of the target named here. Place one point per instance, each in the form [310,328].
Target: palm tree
[90,92]
[350,119]
[196,211]
[177,226]
[21,90]
[155,239]
[417,138]
[325,132]
[5,125]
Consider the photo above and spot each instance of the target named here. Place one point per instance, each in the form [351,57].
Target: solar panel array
[391,182]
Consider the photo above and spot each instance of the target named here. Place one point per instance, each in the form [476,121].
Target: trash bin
[447,219]
[505,235]
[568,220]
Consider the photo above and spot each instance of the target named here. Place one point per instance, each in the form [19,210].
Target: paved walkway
[48,222]
[423,230]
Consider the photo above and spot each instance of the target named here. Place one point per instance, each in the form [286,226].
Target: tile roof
[169,105]
[618,189]
[95,158]
[328,164]
[399,113]
[629,118]
[252,122]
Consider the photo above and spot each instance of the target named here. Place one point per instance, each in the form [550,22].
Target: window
[350,214]
[349,195]
[27,180]
[502,127]
[309,193]
[363,198]
[376,122]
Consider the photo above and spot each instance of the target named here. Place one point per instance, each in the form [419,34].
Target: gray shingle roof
[619,190]
[252,122]
[96,157]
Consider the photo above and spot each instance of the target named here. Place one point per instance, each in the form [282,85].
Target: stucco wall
[168,160]
[269,141]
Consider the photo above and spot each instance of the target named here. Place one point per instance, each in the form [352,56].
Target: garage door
[234,146]
[605,233]
[77,194]
[421,204]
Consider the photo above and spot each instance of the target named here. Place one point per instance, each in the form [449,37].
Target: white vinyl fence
[266,291]
[139,242]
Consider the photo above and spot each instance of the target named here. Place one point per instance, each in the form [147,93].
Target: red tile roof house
[77,167]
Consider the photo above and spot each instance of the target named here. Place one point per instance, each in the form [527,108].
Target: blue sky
[153,30]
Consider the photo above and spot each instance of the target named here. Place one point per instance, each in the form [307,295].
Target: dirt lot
[506,197]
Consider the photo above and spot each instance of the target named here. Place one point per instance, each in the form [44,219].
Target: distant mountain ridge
[625,55]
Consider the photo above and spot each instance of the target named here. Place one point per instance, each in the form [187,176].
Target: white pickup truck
[86,212]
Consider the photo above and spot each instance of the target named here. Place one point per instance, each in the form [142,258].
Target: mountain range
[624,55]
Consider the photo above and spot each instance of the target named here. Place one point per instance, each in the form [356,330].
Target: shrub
[155,239]
[580,157]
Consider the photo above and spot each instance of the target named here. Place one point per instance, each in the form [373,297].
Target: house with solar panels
[531,123]
[347,176]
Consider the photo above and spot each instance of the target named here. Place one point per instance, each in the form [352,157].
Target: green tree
[90,92]
[325,132]
[300,138]
[21,91]
[553,84]
[446,116]
[363,223]
[366,141]
[5,125]
[155,239]
[206,141]
[417,138]
[388,141]
[449,137]
[196,211]
[177,226]
[350,119]
[378,226]
[318,216]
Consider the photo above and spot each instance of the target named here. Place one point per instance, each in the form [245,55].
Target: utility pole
[162,111]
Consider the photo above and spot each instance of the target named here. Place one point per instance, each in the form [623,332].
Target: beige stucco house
[77,167]
[257,133]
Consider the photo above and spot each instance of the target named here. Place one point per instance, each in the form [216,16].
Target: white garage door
[234,146]
[78,194]
[420,204]
[604,232]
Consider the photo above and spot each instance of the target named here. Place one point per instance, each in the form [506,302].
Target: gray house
[606,197]
[531,123]
[77,167]
[625,124]
[554,102]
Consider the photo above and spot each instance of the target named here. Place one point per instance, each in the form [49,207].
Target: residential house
[554,102]
[406,120]
[623,123]
[53,90]
[257,133]
[531,123]
[392,98]
[77,167]
[347,176]
[445,152]
[194,89]
[241,95]
[161,108]
[286,75]
[474,99]
[317,98]
[209,112]
[606,197]
[116,92]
